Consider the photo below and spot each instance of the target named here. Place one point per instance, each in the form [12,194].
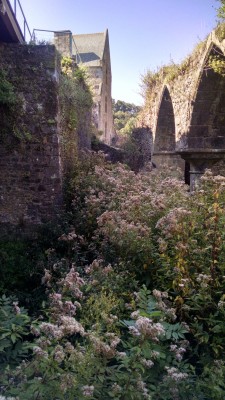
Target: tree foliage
[124,115]
[221,10]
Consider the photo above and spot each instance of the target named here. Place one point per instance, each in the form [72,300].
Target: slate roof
[90,47]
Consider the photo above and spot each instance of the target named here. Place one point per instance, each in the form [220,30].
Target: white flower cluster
[40,353]
[163,305]
[179,351]
[87,391]
[142,387]
[174,374]
[147,363]
[146,327]
[106,349]
[46,279]
[116,389]
[204,280]
[67,326]
[16,307]
[221,304]
[170,224]
[73,282]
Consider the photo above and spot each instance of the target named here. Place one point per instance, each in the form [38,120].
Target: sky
[143,34]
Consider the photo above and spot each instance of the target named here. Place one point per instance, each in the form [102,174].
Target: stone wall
[181,105]
[186,109]
[30,167]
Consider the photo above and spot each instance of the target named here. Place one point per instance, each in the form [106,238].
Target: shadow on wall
[203,146]
[207,127]
[165,129]
[207,124]
[87,57]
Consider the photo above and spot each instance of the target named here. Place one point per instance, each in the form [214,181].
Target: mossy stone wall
[30,166]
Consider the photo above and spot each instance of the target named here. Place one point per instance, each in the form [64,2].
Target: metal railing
[21,19]
[34,39]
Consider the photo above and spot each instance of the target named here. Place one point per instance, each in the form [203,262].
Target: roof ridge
[88,34]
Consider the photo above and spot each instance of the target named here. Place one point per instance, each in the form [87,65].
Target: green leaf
[13,338]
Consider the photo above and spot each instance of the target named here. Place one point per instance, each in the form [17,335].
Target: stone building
[92,50]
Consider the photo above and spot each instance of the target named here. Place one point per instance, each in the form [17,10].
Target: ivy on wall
[75,99]
[11,111]
[7,94]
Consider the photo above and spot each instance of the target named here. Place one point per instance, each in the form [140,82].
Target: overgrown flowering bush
[102,333]
[102,357]
[191,251]
[122,209]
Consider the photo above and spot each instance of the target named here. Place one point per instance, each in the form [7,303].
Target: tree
[122,113]
[130,108]
[221,10]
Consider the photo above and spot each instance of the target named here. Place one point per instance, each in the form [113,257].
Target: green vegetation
[11,110]
[217,64]
[15,326]
[220,31]
[76,103]
[7,95]
[132,298]
[124,115]
[151,82]
[221,10]
[124,297]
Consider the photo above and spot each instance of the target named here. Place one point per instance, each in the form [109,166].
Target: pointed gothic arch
[207,125]
[165,127]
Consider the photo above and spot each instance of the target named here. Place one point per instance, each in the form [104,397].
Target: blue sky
[143,34]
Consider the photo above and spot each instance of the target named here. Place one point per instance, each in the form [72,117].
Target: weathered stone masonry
[93,51]
[187,114]
[30,170]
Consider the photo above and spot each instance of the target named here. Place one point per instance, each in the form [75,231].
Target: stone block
[195,142]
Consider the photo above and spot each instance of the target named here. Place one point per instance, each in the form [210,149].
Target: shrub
[14,328]
[102,333]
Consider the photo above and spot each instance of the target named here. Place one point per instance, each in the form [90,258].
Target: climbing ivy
[11,110]
[75,101]
[7,94]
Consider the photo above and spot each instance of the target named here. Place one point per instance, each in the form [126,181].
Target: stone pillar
[200,161]
[197,169]
[63,43]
